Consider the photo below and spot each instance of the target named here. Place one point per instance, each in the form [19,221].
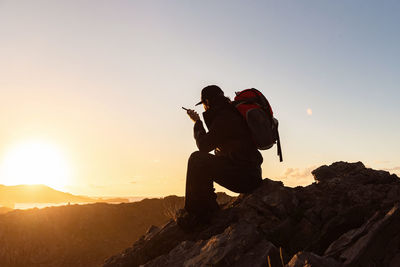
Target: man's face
[206,105]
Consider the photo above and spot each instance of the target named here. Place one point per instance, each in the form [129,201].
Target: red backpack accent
[247,94]
[258,114]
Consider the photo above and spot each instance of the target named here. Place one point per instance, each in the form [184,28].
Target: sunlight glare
[35,163]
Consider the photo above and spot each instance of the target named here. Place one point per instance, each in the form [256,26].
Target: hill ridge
[37,193]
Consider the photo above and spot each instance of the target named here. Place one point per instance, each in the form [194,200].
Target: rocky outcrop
[375,242]
[349,217]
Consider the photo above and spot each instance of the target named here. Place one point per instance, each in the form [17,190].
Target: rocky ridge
[350,216]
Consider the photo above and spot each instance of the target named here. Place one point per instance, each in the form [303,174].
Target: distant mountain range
[9,195]
[4,210]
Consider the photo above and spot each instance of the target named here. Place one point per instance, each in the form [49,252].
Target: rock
[309,259]
[343,221]
[337,169]
[349,217]
[376,241]
[149,246]
[347,239]
[353,173]
[395,261]
[239,245]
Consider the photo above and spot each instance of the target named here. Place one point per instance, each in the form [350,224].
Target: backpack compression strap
[278,144]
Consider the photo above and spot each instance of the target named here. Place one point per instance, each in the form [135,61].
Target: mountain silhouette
[36,194]
[9,195]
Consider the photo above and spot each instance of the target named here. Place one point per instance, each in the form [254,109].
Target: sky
[103,83]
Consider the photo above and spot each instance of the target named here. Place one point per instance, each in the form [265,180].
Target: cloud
[135,178]
[97,186]
[381,161]
[298,176]
[297,172]
[397,168]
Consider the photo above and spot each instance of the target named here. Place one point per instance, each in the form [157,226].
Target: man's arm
[205,141]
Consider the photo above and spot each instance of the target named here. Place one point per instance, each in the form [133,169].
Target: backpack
[257,112]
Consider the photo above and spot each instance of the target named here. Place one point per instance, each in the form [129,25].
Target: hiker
[236,164]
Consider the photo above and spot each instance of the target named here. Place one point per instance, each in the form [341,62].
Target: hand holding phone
[192,114]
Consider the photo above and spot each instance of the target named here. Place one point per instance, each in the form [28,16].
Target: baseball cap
[209,92]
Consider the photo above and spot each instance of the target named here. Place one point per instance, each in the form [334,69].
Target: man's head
[208,94]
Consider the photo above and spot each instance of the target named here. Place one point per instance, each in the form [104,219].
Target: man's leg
[239,179]
[203,169]
[200,196]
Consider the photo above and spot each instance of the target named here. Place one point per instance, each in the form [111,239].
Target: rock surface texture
[350,216]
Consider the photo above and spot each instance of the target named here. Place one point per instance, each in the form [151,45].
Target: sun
[35,163]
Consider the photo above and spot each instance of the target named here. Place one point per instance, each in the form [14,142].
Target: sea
[25,206]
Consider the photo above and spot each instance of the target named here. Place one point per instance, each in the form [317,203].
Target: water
[25,206]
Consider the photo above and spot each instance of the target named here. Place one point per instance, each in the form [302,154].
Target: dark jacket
[228,135]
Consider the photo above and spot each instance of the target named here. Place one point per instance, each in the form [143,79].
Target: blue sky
[106,80]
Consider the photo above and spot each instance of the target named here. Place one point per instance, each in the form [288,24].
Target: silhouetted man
[236,164]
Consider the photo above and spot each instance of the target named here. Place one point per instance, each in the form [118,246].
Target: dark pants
[204,169]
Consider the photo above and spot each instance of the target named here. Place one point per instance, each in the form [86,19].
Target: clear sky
[103,82]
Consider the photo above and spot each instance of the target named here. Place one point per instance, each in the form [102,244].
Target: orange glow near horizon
[36,162]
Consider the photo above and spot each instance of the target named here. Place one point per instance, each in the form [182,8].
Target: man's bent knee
[198,155]
[199,160]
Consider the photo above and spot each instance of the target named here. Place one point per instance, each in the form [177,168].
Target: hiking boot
[187,221]
[190,221]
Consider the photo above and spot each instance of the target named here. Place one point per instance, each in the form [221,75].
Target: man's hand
[193,115]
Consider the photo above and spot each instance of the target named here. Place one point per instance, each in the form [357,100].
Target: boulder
[239,245]
[375,242]
[336,170]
